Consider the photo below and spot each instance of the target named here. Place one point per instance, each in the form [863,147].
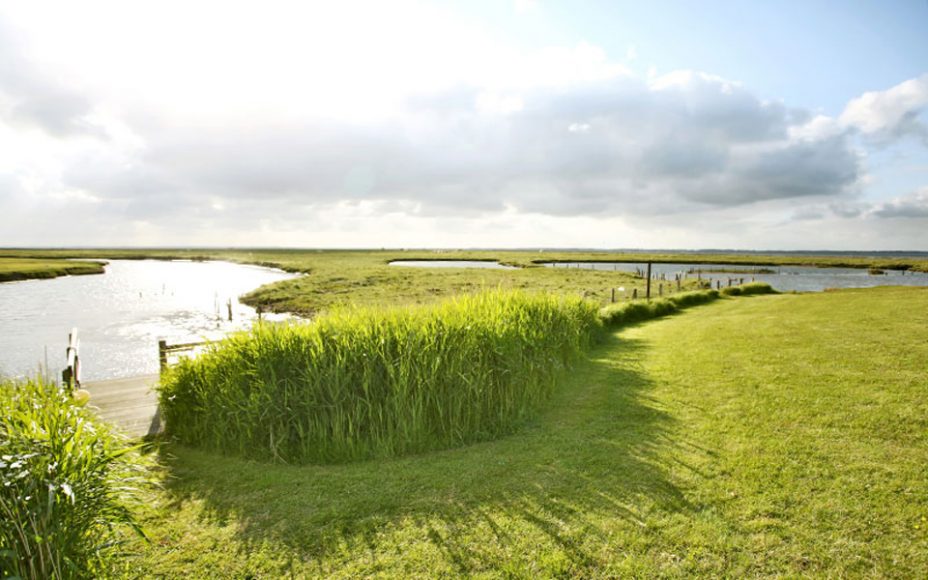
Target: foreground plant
[365,383]
[66,484]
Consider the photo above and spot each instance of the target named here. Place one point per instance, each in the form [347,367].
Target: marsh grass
[12,269]
[617,315]
[748,289]
[66,483]
[361,383]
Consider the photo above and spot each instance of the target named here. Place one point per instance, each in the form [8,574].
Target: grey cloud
[702,143]
[914,205]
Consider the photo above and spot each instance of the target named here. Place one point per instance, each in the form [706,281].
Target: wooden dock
[130,404]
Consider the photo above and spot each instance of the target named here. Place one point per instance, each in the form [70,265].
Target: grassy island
[12,269]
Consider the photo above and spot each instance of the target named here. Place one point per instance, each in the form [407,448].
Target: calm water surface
[785,278]
[121,315]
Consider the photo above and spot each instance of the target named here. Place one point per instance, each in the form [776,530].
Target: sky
[503,124]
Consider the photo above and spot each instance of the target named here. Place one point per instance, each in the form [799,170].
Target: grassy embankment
[34,268]
[357,384]
[774,435]
[364,277]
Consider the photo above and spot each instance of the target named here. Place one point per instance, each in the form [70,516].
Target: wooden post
[660,289]
[647,293]
[71,375]
[634,294]
[678,282]
[163,355]
[229,306]
[613,295]
[259,311]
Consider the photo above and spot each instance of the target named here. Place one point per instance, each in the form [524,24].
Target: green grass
[375,383]
[66,481]
[781,435]
[30,268]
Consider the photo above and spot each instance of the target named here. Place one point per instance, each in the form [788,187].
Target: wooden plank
[131,404]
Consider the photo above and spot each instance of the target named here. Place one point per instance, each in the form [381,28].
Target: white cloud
[890,113]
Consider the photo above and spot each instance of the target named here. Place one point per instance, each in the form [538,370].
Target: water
[452,264]
[785,278]
[122,314]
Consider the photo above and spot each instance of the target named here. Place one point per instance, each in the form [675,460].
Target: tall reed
[364,383]
[66,483]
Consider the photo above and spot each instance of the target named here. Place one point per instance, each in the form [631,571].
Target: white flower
[67,491]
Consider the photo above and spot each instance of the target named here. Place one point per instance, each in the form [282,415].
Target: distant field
[363,277]
[757,436]
[29,268]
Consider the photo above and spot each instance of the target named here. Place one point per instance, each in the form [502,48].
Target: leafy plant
[66,483]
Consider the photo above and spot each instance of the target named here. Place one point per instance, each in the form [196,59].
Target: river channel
[121,315]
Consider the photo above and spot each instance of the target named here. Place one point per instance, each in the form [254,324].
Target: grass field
[753,436]
[31,268]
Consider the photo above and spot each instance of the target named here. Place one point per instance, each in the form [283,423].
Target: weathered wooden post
[718,284]
[229,306]
[660,289]
[647,293]
[634,294]
[163,355]
[259,310]
[613,295]
[71,375]
[679,278]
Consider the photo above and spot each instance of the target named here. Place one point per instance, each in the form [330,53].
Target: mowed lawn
[759,436]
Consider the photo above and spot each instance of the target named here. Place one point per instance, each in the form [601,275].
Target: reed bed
[748,289]
[361,383]
[616,315]
[66,483]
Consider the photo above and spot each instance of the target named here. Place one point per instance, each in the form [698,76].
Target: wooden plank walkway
[131,403]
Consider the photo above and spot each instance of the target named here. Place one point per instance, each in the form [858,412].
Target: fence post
[163,355]
[613,295]
[71,375]
[648,288]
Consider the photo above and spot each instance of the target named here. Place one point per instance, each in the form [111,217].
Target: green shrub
[687,299]
[366,383]
[731,291]
[66,484]
[757,288]
[639,310]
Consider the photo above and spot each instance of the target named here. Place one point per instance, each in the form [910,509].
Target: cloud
[620,145]
[892,113]
[27,96]
[914,205]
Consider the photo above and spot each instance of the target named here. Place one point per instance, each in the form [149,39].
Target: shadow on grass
[592,455]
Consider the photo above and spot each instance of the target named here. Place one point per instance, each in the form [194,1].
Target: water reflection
[122,314]
[783,278]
